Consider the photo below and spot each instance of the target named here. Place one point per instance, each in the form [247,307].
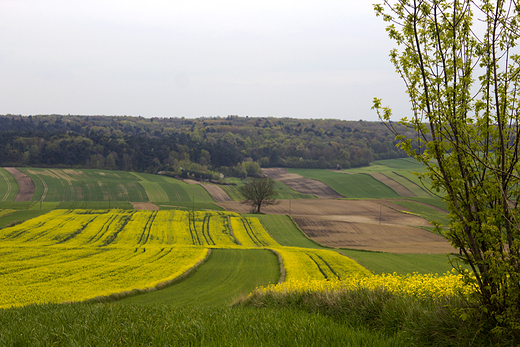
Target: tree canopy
[467,131]
[259,192]
[191,146]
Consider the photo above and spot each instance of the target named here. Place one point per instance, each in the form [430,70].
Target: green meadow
[358,186]
[220,281]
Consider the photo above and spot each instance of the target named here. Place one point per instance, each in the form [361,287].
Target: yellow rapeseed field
[59,274]
[74,255]
[414,285]
[250,232]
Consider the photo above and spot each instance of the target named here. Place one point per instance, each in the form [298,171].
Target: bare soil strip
[26,185]
[190,181]
[357,224]
[395,186]
[302,184]
[145,206]
[217,193]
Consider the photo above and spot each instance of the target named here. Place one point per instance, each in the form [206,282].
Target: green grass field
[358,186]
[224,277]
[381,262]
[8,186]
[75,185]
[169,325]
[285,232]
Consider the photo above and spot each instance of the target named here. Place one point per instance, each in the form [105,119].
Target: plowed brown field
[217,193]
[214,190]
[358,224]
[396,187]
[302,184]
[25,184]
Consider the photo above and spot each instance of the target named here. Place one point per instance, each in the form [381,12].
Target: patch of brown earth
[376,237]
[145,206]
[25,184]
[217,193]
[358,224]
[302,184]
[395,186]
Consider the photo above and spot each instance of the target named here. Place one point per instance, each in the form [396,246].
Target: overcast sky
[158,58]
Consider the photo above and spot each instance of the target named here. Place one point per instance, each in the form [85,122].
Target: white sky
[158,58]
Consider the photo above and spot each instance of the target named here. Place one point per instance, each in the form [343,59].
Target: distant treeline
[232,145]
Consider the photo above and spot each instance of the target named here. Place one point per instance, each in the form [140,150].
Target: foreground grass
[416,320]
[166,325]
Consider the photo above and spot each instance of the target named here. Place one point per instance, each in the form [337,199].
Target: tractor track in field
[9,187]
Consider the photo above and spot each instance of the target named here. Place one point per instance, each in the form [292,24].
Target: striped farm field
[122,250]
[74,185]
[349,185]
[84,185]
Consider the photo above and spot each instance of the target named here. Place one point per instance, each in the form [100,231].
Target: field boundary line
[8,186]
[45,188]
[304,234]
[134,292]
[282,267]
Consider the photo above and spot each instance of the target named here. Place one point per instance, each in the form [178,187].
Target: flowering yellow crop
[250,232]
[59,274]
[302,264]
[73,255]
[415,285]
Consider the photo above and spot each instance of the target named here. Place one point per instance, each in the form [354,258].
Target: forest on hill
[201,147]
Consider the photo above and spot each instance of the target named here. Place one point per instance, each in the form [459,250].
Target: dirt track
[302,184]
[358,224]
[395,186]
[25,184]
[145,206]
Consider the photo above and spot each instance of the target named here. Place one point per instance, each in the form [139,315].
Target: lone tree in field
[259,192]
[467,131]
